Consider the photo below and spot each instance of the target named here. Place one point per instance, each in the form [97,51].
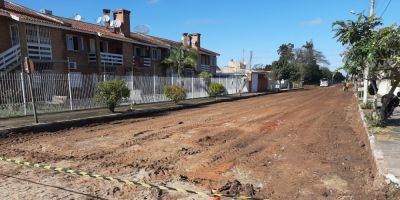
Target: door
[14,34]
[254,82]
[92,46]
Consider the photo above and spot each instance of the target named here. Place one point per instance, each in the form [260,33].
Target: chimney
[1,3]
[124,17]
[195,40]
[185,39]
[106,12]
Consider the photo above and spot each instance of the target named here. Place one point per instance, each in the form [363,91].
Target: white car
[324,82]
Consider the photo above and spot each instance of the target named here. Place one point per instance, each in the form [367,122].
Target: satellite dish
[144,29]
[77,17]
[116,23]
[99,19]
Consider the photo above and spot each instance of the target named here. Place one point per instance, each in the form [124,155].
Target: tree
[368,44]
[357,35]
[309,60]
[338,77]
[180,58]
[285,68]
[111,93]
[325,73]
[385,55]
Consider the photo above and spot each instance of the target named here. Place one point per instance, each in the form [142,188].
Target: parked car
[324,82]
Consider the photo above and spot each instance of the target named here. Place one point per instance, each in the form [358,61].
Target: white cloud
[152,1]
[312,22]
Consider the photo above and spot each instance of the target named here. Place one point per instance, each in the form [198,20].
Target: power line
[387,6]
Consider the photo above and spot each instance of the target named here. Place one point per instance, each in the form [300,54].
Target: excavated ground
[299,145]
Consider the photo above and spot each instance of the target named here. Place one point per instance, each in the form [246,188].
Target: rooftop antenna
[143,29]
[251,59]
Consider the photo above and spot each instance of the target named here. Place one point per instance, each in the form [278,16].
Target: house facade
[58,44]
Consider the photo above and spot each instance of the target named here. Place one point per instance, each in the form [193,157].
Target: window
[156,54]
[104,46]
[92,46]
[72,65]
[138,52]
[75,43]
[214,61]
[38,34]
[203,59]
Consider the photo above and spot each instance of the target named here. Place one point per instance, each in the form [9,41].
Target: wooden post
[29,68]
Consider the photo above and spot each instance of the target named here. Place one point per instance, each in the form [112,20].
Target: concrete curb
[378,154]
[80,122]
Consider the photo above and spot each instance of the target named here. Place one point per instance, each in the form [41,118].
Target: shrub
[175,92]
[371,120]
[215,89]
[367,105]
[205,75]
[111,93]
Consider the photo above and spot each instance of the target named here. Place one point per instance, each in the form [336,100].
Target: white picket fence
[75,91]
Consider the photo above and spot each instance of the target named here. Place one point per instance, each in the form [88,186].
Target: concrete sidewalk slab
[387,148]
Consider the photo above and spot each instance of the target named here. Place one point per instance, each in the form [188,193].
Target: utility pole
[366,71]
[251,60]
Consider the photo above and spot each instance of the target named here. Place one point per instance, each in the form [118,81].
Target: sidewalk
[387,148]
[62,120]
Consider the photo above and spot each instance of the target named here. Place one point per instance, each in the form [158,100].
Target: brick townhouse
[59,44]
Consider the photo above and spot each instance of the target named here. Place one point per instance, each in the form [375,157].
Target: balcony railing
[205,68]
[40,51]
[141,61]
[107,58]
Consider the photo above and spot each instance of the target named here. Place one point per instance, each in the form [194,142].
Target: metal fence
[75,91]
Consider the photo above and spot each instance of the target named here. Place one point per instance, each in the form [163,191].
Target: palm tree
[180,58]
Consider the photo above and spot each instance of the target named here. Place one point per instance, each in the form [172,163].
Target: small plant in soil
[111,93]
[216,89]
[367,105]
[175,92]
[371,120]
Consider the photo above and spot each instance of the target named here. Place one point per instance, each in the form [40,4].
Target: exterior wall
[127,50]
[61,53]
[5,34]
[384,87]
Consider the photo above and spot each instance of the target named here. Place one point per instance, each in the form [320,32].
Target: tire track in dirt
[289,146]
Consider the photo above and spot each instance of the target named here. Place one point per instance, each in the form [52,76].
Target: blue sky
[229,26]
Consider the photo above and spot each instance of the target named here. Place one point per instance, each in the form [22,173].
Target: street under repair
[305,144]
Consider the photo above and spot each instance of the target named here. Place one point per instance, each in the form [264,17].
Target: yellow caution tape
[117,180]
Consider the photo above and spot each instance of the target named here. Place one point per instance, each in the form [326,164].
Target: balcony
[40,51]
[107,58]
[141,61]
[205,68]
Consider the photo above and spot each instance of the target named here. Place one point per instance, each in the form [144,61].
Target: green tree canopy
[325,73]
[180,58]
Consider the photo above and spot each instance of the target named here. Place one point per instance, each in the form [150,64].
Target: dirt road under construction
[298,145]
